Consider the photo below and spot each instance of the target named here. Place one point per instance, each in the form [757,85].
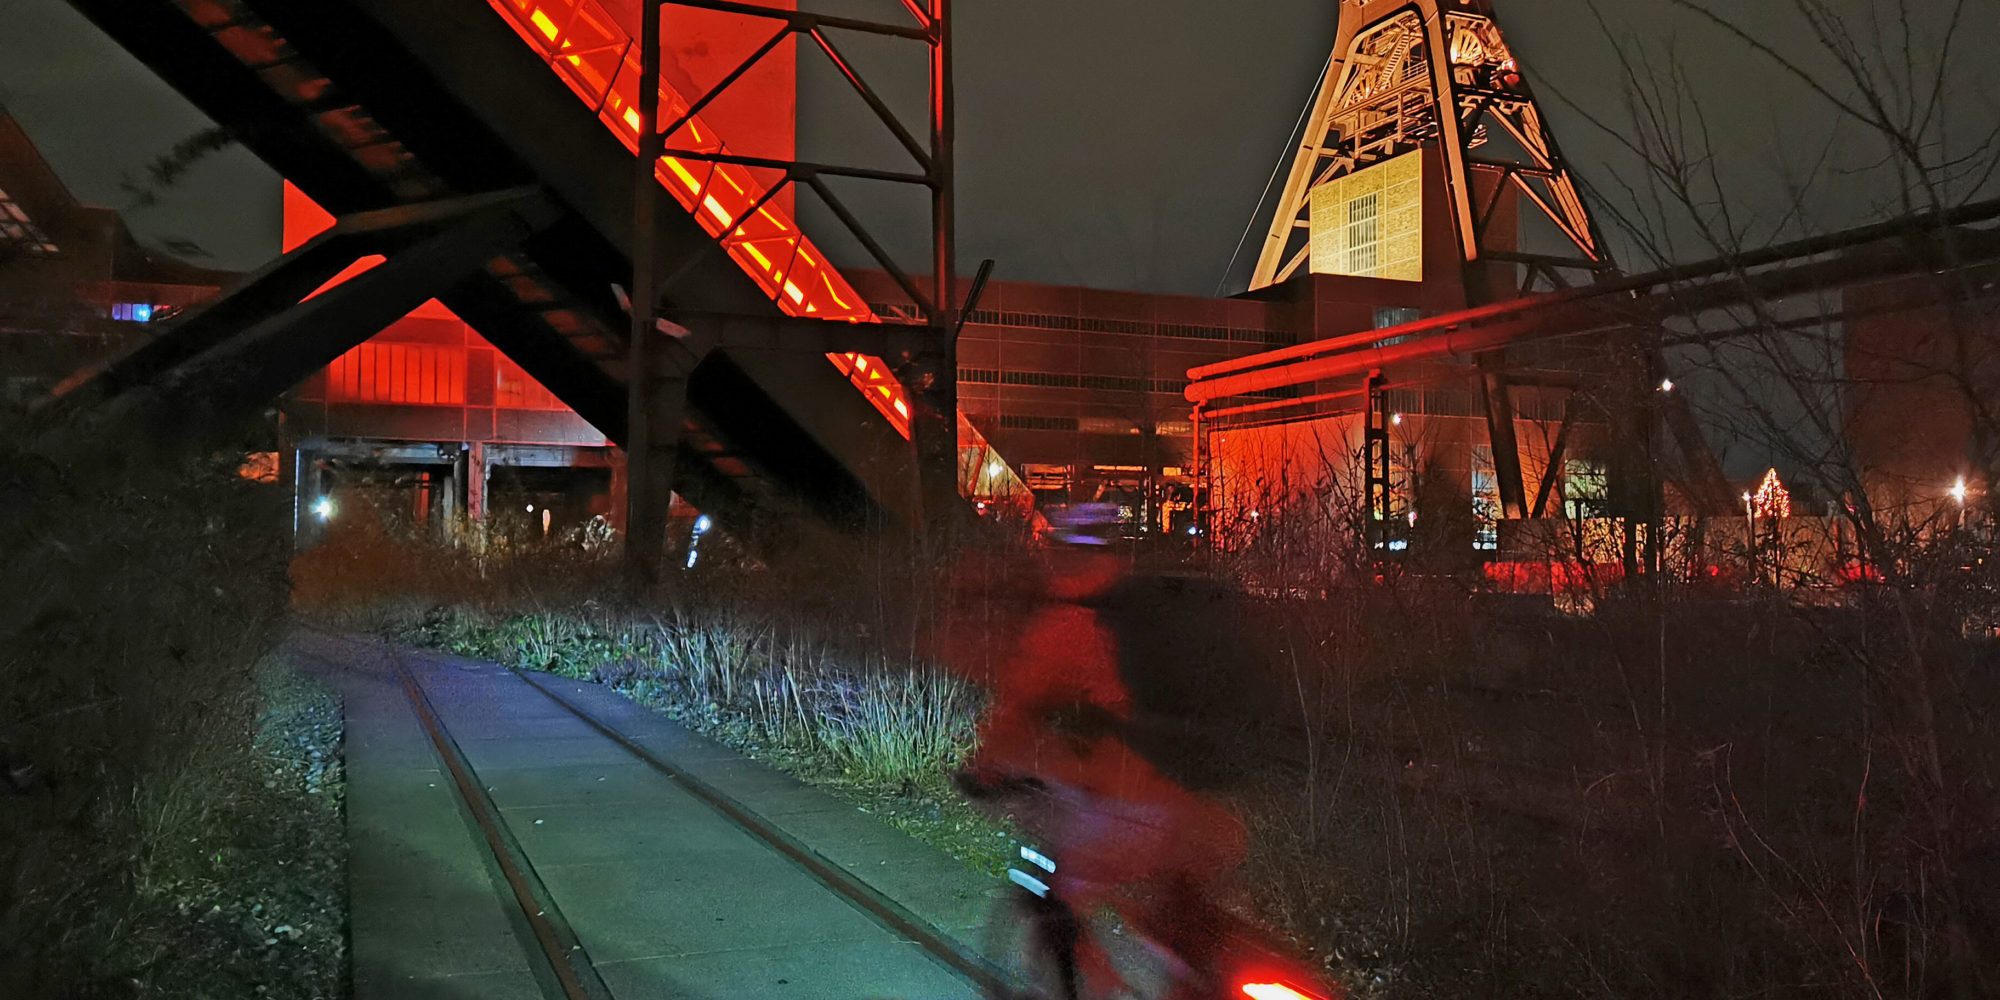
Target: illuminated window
[1586,489]
[1364,236]
[1485,500]
[19,233]
[1387,316]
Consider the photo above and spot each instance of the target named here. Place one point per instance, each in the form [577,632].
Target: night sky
[1116,143]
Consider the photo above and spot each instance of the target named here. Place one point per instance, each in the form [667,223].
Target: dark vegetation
[1688,798]
[824,678]
[1452,793]
[169,815]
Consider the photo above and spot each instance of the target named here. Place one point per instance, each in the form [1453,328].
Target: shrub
[142,599]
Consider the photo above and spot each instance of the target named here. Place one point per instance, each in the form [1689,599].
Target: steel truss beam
[928,366]
[1405,73]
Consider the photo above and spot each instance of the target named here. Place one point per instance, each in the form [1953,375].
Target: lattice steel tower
[1413,74]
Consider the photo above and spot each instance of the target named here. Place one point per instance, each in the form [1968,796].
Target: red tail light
[1274,991]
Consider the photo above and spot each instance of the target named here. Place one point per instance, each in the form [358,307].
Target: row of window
[1441,402]
[1090,425]
[1585,490]
[1070,380]
[1086,324]
[1118,383]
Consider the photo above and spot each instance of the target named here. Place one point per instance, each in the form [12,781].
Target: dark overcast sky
[1119,143]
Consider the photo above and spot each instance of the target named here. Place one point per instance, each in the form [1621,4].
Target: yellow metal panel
[1370,223]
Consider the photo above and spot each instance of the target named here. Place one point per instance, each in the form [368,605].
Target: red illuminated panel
[304,219]
[596,58]
[515,389]
[374,372]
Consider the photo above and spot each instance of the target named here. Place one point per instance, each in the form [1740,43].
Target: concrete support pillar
[307,484]
[448,502]
[621,487]
[475,481]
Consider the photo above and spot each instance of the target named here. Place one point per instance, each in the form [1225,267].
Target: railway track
[559,956]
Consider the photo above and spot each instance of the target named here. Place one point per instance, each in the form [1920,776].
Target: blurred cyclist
[1054,753]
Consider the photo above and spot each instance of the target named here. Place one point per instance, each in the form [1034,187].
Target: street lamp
[1750,533]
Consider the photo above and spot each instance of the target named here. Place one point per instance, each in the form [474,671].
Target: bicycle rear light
[1275,991]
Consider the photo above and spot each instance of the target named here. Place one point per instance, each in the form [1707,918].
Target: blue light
[702,524]
[142,312]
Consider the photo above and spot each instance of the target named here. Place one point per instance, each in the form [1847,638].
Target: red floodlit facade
[400,386]
[1425,174]
[592,47]
[428,377]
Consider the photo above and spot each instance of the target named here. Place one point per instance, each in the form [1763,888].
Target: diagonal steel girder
[234,370]
[276,286]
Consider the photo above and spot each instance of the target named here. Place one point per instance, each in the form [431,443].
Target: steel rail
[891,914]
[559,943]
[560,950]
[565,954]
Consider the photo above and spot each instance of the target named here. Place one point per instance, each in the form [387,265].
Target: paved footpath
[666,895]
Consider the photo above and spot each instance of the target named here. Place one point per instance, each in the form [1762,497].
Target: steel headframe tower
[1410,73]
[931,374]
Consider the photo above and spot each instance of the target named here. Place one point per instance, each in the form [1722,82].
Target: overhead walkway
[373,107]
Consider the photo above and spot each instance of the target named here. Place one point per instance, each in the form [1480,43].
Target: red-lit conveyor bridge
[483,150]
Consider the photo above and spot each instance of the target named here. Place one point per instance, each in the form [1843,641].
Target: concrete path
[666,895]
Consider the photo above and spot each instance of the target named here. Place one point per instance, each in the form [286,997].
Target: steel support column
[649,485]
[1553,473]
[934,430]
[1498,402]
[1375,460]
[649,477]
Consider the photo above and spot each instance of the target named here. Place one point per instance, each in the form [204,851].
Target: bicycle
[1053,950]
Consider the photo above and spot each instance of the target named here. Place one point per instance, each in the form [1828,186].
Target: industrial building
[1436,346]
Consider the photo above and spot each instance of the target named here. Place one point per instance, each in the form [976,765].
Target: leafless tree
[1893,135]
